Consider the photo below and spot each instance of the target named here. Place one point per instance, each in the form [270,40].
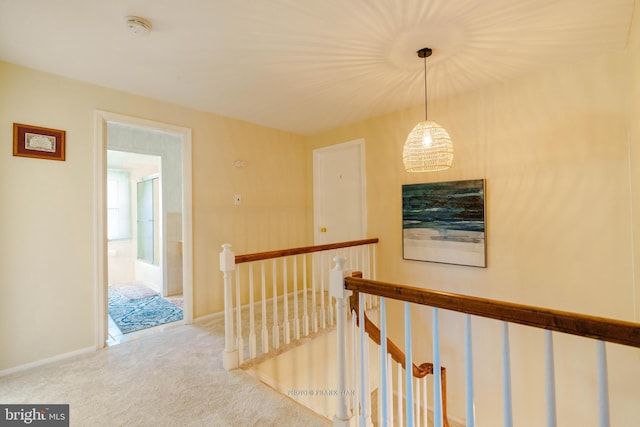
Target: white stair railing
[411,393]
[272,308]
[410,405]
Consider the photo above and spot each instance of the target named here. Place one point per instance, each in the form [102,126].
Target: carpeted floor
[174,378]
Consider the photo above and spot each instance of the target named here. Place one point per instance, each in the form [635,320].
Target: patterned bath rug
[134,314]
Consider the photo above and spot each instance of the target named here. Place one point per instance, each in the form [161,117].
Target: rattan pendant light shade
[428,147]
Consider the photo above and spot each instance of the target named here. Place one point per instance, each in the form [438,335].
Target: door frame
[317,191]
[101,118]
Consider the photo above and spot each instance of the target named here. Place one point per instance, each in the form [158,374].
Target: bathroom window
[118,205]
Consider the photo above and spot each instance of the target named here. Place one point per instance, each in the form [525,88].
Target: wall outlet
[237,199]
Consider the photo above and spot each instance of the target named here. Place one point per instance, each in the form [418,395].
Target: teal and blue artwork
[444,222]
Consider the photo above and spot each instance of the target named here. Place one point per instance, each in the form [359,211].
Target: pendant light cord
[425,88]
[424,53]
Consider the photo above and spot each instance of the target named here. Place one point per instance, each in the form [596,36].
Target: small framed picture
[38,142]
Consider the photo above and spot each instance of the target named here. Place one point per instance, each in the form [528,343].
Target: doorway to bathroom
[142,293]
[147,260]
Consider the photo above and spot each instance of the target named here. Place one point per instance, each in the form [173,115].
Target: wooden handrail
[600,328]
[259,256]
[398,355]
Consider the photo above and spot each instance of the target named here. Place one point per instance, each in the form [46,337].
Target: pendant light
[428,147]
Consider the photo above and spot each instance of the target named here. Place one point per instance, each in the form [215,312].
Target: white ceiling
[126,160]
[306,65]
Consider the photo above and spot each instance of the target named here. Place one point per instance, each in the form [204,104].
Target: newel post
[337,290]
[227,265]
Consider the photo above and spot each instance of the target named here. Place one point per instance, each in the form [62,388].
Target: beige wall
[634,148]
[47,284]
[554,149]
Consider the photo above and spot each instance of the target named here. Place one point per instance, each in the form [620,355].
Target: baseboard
[256,304]
[269,301]
[212,316]
[46,361]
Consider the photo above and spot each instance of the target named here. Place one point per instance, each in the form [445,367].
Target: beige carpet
[173,378]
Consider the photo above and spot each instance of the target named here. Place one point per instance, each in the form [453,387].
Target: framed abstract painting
[445,222]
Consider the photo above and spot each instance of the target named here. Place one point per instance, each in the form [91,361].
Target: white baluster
[389,392]
[354,362]
[367,262]
[334,307]
[276,322]
[400,396]
[437,367]
[252,319]
[417,401]
[305,316]
[550,380]
[362,267]
[265,330]
[286,329]
[371,269]
[603,386]
[365,399]
[336,286]
[384,391]
[296,315]
[364,260]
[374,274]
[353,257]
[329,299]
[323,313]
[408,363]
[227,265]
[314,310]
[239,338]
[425,413]
[506,376]
[471,413]
[379,421]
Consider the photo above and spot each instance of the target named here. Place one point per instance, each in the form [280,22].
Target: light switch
[237,199]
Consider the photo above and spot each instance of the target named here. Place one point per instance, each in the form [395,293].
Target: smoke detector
[138,26]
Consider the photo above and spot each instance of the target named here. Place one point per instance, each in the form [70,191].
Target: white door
[339,193]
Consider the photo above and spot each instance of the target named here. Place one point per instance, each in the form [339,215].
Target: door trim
[101,118]
[317,190]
